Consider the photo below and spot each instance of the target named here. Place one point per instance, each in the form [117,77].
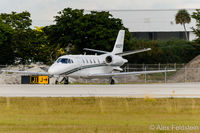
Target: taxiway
[185,90]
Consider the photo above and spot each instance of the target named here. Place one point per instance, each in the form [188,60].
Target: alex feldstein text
[173,127]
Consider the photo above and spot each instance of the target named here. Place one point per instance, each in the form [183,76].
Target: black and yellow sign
[35,80]
[39,79]
[43,80]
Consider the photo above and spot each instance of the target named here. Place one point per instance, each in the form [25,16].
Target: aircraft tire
[112,81]
[66,81]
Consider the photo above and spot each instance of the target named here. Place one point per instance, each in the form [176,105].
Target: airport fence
[182,74]
[3,66]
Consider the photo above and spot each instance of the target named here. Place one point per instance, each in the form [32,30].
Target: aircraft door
[80,63]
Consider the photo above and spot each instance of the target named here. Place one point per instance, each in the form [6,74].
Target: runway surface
[189,90]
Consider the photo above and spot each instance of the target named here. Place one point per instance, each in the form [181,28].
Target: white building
[154,24]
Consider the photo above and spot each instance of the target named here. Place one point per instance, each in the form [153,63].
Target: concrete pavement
[185,90]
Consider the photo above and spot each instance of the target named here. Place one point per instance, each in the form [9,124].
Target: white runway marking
[185,90]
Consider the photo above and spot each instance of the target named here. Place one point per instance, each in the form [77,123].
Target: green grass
[96,115]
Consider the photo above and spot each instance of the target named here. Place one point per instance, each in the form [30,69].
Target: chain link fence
[182,74]
[3,66]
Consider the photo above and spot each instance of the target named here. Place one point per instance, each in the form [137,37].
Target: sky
[43,11]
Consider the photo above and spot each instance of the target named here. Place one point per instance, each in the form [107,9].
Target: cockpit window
[58,60]
[64,60]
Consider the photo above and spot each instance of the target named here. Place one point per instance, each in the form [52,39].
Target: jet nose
[51,70]
[56,69]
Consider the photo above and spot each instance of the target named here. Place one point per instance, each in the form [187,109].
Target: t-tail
[119,43]
[118,47]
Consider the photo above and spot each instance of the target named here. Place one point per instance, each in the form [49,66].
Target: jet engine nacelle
[114,60]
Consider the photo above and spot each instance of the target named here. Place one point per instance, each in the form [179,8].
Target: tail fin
[119,44]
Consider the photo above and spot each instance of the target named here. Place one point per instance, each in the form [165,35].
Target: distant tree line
[74,30]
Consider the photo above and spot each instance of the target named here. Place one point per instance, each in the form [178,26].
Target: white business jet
[93,66]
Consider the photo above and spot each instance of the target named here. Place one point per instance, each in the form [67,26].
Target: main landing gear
[65,80]
[112,81]
[56,82]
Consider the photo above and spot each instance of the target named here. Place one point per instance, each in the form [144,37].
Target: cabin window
[99,61]
[94,61]
[71,61]
[83,61]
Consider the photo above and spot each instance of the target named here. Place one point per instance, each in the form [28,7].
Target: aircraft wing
[27,72]
[128,73]
[94,50]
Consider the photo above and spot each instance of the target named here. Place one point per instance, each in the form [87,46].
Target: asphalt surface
[185,90]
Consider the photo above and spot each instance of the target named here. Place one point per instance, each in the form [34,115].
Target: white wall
[192,36]
[151,20]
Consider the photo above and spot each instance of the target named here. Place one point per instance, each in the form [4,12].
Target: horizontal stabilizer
[133,52]
[97,51]
[128,73]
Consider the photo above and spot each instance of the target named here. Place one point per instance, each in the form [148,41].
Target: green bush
[172,51]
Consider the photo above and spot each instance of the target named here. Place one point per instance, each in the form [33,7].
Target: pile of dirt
[189,73]
[15,78]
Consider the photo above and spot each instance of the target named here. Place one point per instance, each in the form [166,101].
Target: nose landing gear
[65,80]
[112,81]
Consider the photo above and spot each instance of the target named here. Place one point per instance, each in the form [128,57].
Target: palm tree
[183,17]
